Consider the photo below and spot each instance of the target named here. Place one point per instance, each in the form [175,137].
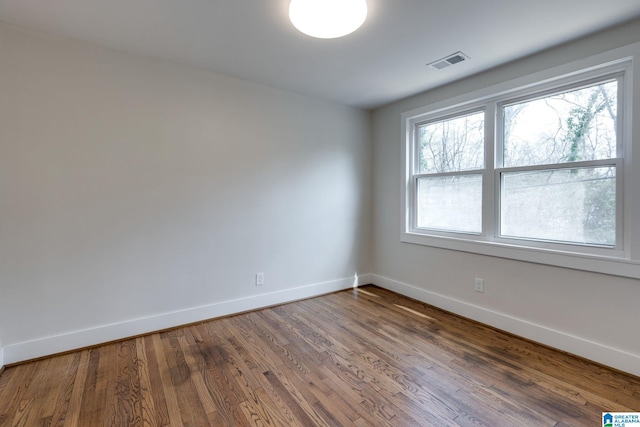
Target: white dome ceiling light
[327,19]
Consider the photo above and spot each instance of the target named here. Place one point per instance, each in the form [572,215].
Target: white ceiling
[381,62]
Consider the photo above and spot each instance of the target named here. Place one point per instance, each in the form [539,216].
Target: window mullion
[489,208]
[413,181]
[623,214]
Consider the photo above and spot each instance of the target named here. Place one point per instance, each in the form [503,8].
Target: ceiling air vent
[448,61]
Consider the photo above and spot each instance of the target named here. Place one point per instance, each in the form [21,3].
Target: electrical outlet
[259,279]
[478,285]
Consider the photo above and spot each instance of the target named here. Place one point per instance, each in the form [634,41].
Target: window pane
[567,127]
[450,203]
[452,145]
[565,205]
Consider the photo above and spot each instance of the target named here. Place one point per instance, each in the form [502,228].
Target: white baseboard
[19,352]
[619,359]
[1,358]
[608,356]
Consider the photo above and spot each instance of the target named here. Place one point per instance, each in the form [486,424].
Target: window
[558,158]
[534,173]
[450,162]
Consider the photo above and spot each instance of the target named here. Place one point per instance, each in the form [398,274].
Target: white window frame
[455,113]
[624,259]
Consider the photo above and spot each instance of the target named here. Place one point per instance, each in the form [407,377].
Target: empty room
[332,213]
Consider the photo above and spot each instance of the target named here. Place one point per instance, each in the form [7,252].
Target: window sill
[617,266]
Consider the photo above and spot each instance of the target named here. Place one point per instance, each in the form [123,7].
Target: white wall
[590,314]
[137,194]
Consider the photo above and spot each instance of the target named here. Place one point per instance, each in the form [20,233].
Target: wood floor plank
[58,403]
[73,410]
[91,392]
[107,414]
[192,410]
[126,410]
[146,408]
[166,383]
[363,357]
[158,413]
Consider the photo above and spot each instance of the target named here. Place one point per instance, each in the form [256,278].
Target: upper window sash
[616,74]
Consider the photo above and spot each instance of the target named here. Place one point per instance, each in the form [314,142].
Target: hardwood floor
[365,357]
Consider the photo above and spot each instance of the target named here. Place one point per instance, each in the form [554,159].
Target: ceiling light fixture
[327,19]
